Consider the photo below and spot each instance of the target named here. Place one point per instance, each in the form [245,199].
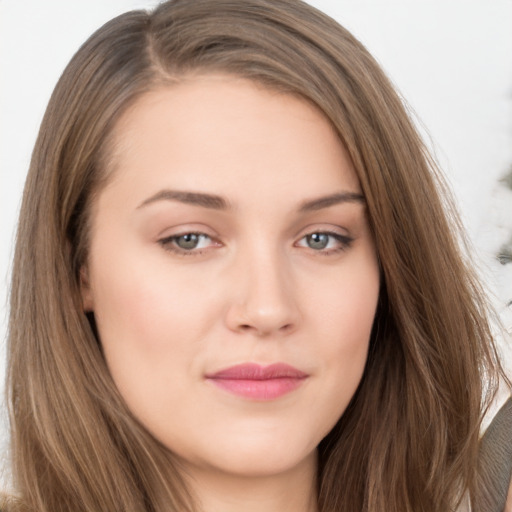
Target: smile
[250,380]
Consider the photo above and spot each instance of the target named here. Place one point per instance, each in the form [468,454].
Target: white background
[451,59]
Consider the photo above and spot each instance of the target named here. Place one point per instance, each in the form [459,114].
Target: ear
[86,291]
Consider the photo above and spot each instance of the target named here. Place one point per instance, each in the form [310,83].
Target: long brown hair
[408,439]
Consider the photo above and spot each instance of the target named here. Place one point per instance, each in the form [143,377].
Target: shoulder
[495,461]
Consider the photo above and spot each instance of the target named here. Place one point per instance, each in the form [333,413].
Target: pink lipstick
[256,382]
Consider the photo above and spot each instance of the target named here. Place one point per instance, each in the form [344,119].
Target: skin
[258,287]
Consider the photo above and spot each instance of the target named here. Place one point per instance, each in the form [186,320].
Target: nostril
[263,331]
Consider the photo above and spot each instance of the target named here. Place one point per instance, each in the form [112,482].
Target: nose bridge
[264,301]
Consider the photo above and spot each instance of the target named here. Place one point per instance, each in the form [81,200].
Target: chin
[260,459]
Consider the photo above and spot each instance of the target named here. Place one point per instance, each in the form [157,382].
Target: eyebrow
[211,201]
[215,202]
[331,200]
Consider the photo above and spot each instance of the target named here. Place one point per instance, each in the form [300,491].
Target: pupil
[318,240]
[188,241]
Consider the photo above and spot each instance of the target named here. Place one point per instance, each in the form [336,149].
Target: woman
[235,284]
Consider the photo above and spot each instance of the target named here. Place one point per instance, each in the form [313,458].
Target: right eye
[187,243]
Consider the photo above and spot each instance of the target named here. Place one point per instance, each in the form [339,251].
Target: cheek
[150,321]
[150,334]
[346,305]
[143,302]
[345,318]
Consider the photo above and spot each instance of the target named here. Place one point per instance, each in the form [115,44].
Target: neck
[293,490]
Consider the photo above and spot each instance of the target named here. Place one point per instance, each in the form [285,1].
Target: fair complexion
[232,236]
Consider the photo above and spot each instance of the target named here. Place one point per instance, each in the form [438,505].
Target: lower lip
[263,390]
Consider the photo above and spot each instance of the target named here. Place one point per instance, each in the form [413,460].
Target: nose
[264,300]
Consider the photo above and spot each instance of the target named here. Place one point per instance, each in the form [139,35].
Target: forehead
[220,134]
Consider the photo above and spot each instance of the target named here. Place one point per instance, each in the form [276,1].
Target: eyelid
[344,240]
[168,242]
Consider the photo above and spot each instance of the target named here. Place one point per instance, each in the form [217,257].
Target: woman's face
[232,274]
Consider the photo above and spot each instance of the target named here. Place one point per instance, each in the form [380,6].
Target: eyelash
[343,242]
[169,243]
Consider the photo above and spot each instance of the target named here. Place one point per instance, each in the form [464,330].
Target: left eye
[187,242]
[321,241]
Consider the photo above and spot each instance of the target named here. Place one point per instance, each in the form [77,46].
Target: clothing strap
[495,461]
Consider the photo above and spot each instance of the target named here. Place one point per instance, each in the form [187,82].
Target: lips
[258,382]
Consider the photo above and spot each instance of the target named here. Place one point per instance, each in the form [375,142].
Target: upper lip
[254,371]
